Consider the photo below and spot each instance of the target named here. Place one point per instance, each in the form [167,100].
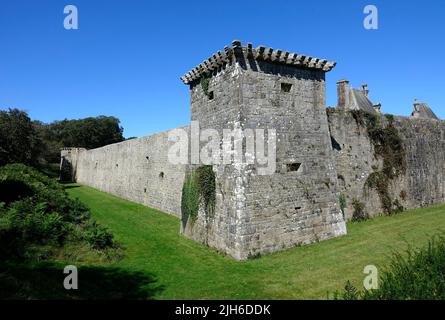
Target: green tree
[33,142]
[87,133]
[19,141]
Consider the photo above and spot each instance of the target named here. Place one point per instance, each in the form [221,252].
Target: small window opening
[117,165]
[161,175]
[285,87]
[210,95]
[293,167]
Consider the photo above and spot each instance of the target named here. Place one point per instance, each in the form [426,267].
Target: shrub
[389,118]
[12,190]
[397,206]
[98,236]
[359,213]
[205,82]
[417,275]
[36,211]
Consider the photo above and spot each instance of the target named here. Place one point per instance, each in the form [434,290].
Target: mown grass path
[184,269]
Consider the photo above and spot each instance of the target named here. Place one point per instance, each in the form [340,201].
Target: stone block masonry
[421,184]
[295,205]
[137,170]
[320,156]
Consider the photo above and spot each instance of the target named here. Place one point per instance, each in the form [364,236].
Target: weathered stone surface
[136,170]
[423,183]
[265,213]
[319,156]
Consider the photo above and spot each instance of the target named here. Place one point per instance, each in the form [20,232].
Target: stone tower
[297,203]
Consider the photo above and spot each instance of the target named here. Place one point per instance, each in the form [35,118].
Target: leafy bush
[98,237]
[12,190]
[36,211]
[359,213]
[205,82]
[417,275]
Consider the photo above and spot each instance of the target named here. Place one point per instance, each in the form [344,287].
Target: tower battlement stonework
[320,156]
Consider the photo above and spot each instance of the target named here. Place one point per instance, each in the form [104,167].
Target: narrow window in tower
[210,95]
[285,87]
[293,166]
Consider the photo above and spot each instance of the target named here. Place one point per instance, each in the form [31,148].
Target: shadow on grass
[45,281]
[68,185]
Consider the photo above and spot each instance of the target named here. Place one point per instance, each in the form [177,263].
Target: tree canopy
[19,141]
[25,141]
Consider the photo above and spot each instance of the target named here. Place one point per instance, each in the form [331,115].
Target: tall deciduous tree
[19,141]
[26,141]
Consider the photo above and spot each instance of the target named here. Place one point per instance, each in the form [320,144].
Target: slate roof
[358,101]
[422,110]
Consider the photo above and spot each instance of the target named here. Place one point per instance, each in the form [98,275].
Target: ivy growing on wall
[190,197]
[199,187]
[343,204]
[205,82]
[359,213]
[388,146]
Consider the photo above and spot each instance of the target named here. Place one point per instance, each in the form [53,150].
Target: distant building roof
[223,57]
[359,101]
[355,99]
[422,110]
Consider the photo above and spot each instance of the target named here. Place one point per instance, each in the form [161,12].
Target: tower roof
[278,56]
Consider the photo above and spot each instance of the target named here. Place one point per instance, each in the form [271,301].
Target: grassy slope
[184,269]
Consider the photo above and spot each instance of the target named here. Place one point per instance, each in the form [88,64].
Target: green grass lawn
[178,268]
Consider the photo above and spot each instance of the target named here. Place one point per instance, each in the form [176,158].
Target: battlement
[260,53]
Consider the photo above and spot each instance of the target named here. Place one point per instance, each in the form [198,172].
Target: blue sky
[127,56]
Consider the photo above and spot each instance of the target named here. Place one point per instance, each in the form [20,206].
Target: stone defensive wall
[421,180]
[136,170]
[330,164]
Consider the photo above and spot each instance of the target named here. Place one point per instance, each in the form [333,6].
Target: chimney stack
[377,107]
[343,94]
[365,89]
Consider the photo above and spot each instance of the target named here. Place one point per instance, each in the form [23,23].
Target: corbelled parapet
[261,53]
